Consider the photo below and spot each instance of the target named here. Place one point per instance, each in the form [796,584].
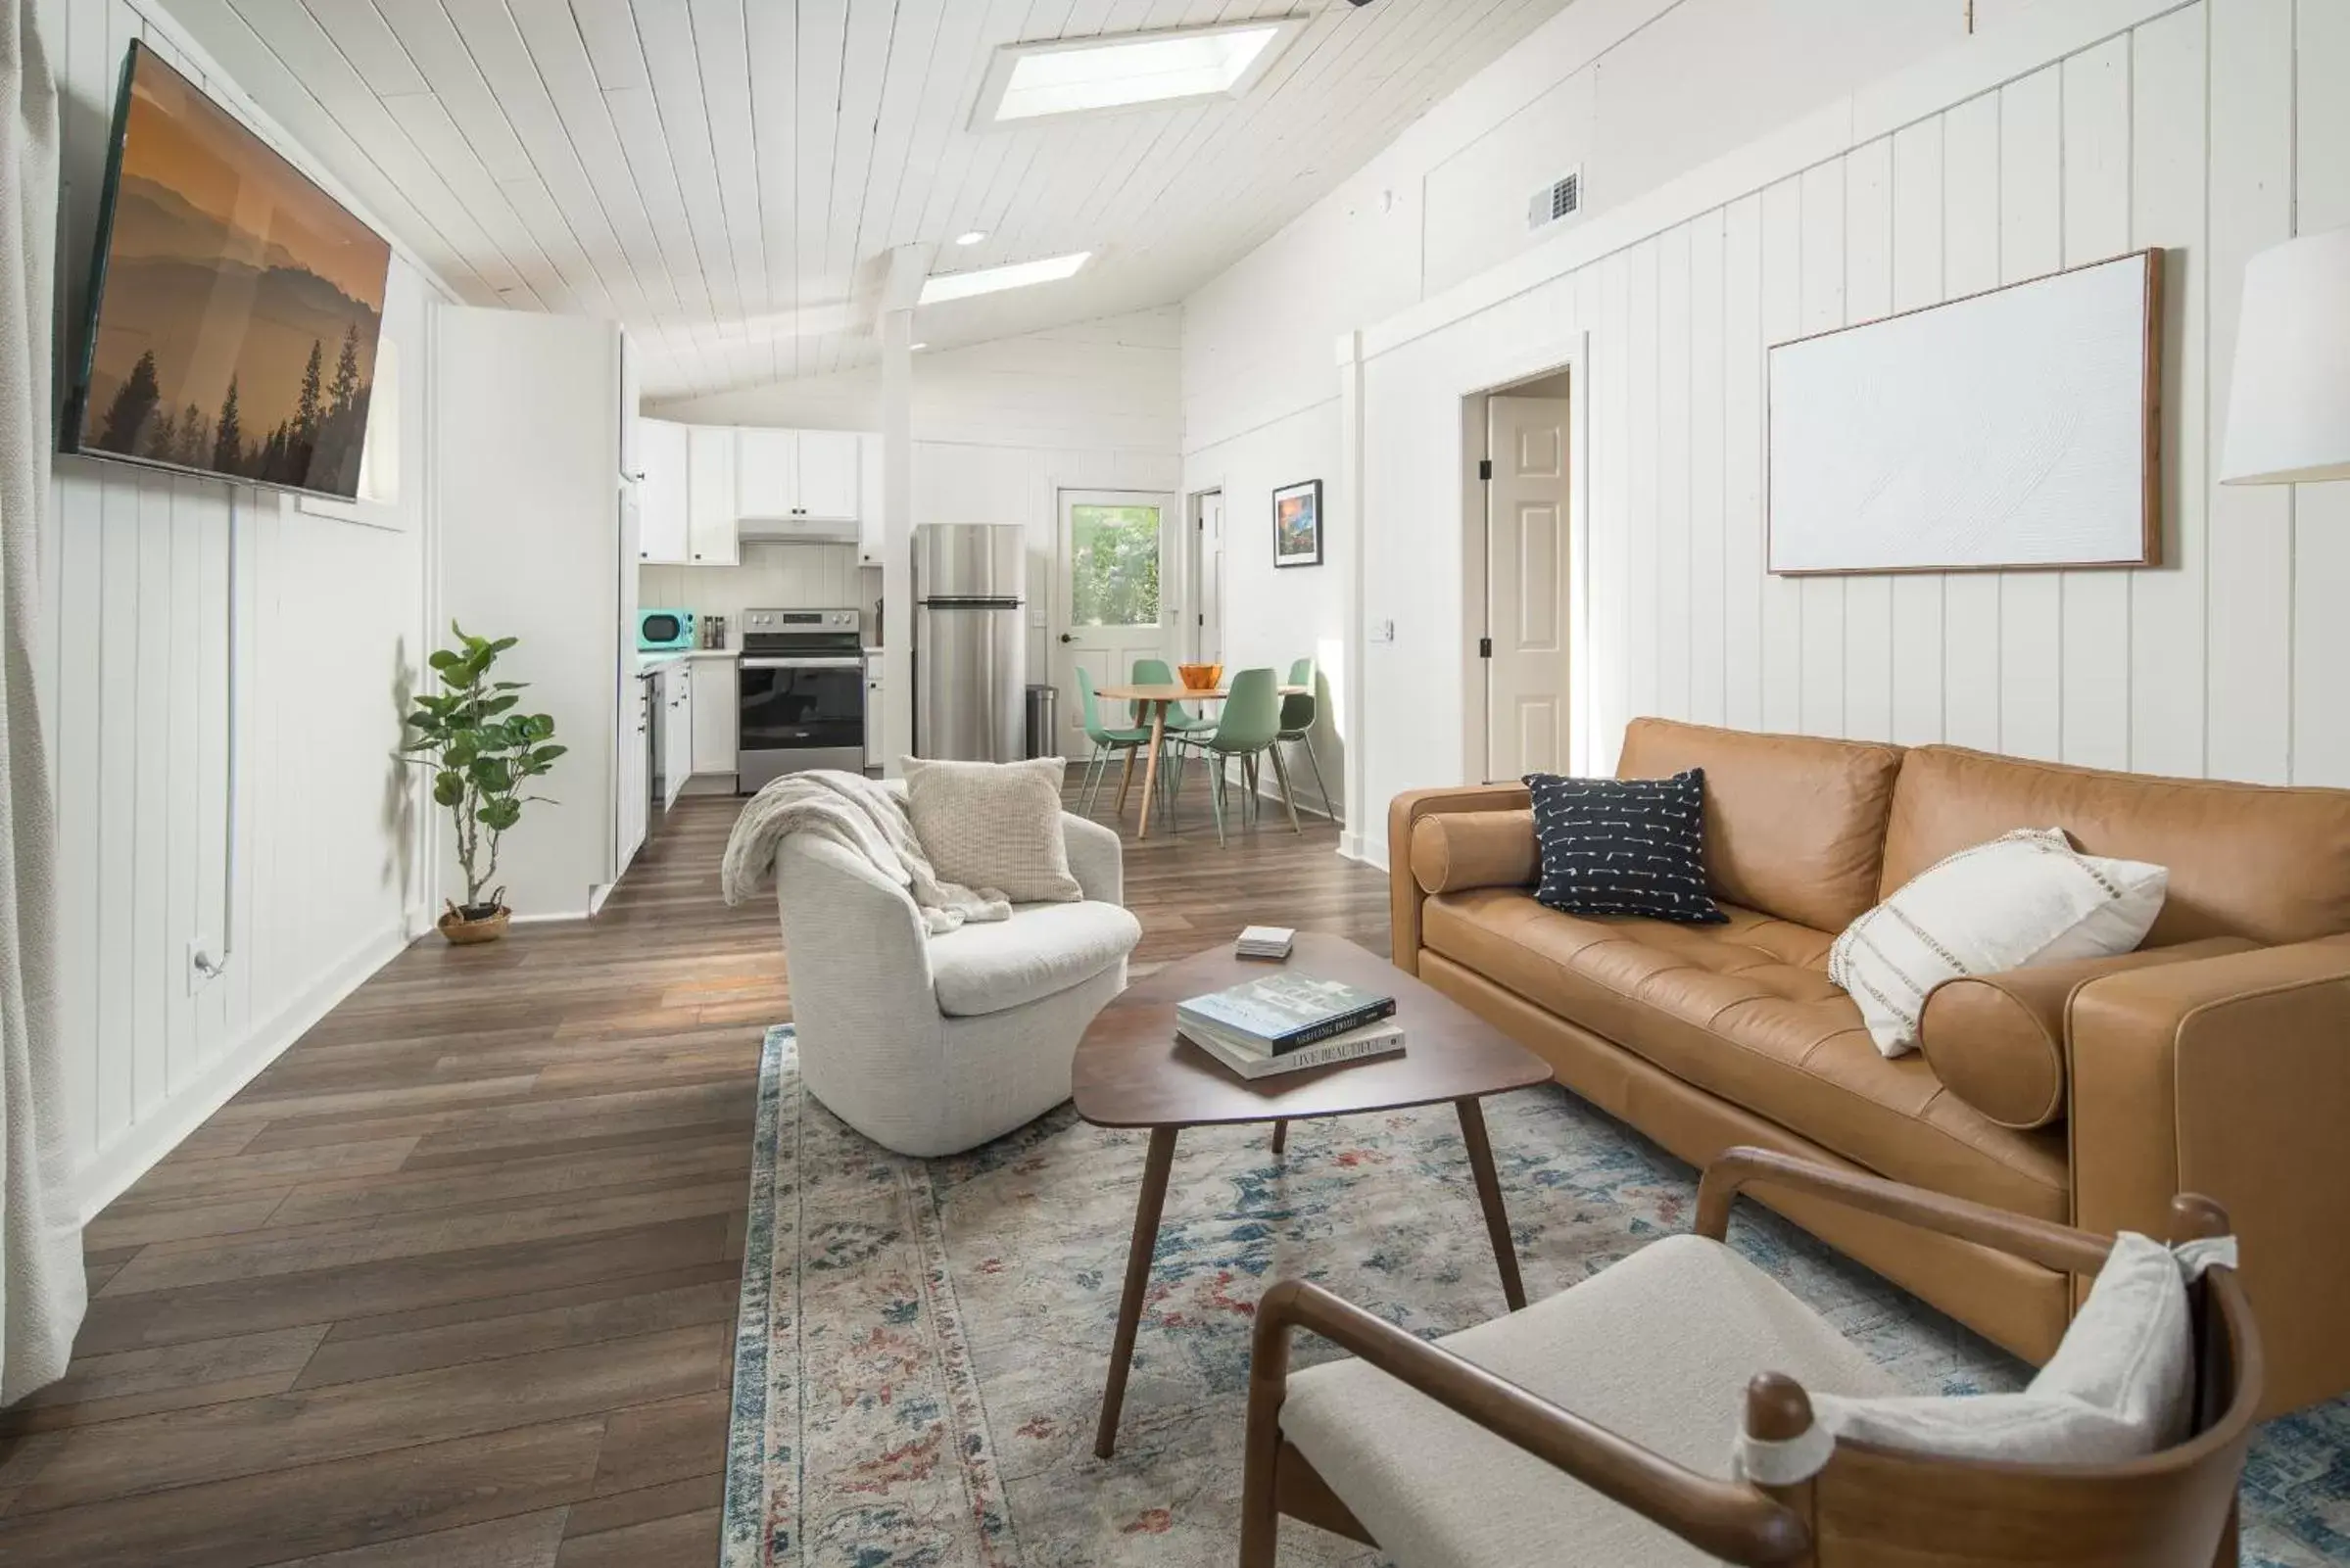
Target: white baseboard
[1305,807]
[114,1167]
[1269,788]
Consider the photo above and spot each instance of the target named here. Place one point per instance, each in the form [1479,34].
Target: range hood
[795,531]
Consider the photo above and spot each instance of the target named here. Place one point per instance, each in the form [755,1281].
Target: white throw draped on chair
[43,1291]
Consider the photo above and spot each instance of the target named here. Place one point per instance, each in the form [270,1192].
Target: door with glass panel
[1108,608]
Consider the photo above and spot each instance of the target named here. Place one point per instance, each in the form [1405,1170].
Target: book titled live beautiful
[1283,1013]
[1383,1038]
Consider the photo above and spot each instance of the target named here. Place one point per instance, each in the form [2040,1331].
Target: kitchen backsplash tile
[771,576]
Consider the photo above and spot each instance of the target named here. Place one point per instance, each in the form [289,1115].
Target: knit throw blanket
[863,817]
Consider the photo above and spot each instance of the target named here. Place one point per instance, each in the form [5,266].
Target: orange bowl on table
[1200,677]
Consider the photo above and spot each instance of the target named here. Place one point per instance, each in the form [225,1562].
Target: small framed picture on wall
[1297,524]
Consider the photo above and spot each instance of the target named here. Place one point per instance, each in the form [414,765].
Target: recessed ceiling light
[1125,71]
[944,286]
[915,347]
[971,238]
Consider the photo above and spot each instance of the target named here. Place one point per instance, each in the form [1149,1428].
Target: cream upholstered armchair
[931,1045]
[1597,1427]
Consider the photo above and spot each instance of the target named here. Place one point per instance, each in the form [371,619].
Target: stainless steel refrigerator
[969,646]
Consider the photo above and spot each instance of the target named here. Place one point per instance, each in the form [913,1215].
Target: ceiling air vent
[1558,199]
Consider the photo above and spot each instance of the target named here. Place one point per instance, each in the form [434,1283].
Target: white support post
[897,539]
[1346,531]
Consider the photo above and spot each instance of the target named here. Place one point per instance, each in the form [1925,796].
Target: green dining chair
[1107,743]
[1251,719]
[1299,710]
[1180,719]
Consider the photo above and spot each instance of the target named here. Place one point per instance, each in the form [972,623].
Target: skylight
[1125,71]
[944,286]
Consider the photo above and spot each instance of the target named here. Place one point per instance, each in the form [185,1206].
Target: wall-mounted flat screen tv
[233,304]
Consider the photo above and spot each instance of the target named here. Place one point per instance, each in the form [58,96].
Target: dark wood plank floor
[454,1281]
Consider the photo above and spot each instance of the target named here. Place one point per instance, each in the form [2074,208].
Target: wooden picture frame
[1297,524]
[2017,429]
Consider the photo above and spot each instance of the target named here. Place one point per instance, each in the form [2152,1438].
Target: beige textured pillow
[995,827]
[2025,899]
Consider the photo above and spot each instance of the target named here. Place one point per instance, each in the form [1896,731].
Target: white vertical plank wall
[1971,234]
[135,686]
[2206,130]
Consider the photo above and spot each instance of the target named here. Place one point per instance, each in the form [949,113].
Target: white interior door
[1206,639]
[1108,608]
[1525,586]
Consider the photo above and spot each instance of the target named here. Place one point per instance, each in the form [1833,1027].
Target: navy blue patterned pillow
[1624,846]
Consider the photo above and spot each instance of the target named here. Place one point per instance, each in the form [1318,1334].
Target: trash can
[1041,740]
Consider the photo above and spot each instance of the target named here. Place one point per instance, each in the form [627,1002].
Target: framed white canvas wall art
[2013,429]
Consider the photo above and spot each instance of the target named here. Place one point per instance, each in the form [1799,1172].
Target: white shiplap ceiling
[715,174]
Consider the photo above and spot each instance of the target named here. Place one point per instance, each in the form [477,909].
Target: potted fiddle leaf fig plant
[483,755]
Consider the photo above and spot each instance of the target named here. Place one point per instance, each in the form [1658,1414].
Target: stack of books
[1264,941]
[1289,1022]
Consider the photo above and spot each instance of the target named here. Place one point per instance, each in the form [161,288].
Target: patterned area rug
[921,1343]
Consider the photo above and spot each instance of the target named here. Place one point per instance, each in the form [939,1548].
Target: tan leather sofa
[2214,1059]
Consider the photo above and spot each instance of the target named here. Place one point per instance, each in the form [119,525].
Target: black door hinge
[1485,468]
[1485,647]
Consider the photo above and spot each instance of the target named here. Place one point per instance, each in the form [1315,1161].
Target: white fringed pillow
[2027,897]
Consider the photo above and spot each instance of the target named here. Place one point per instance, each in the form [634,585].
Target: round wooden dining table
[1158,698]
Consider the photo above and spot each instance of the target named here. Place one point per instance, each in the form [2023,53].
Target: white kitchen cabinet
[781,474]
[829,474]
[663,525]
[681,755]
[870,526]
[716,713]
[873,710]
[766,474]
[710,534]
[632,396]
[634,788]
[675,692]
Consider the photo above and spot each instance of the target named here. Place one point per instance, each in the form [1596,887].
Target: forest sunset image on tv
[237,306]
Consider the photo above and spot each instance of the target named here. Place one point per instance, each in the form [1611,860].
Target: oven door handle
[857,663]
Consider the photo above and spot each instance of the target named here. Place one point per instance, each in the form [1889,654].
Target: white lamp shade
[2288,408]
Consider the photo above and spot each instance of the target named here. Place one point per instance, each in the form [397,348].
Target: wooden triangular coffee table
[1131,1072]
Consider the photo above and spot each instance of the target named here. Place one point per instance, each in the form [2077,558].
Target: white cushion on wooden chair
[1658,1349]
[2120,1385]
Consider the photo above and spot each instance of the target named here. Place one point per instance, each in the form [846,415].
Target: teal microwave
[658,630]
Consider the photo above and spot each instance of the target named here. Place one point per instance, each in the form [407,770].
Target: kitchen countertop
[654,660]
[651,661]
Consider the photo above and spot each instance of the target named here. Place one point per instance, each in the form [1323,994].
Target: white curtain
[42,1290]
